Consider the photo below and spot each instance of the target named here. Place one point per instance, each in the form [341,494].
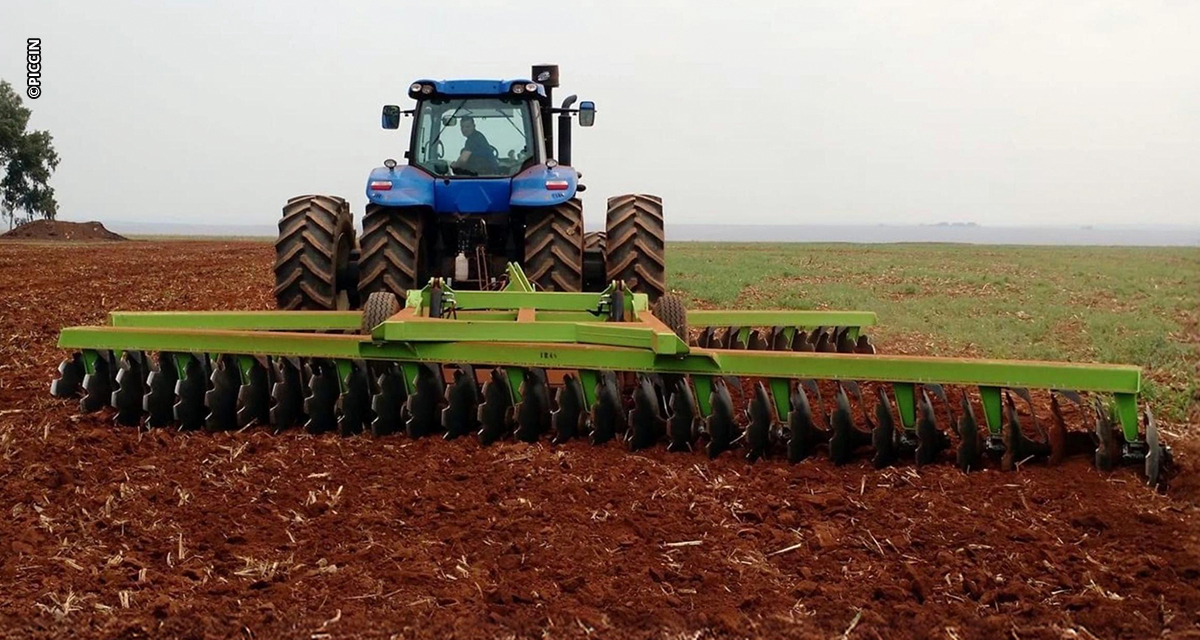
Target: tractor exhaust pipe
[564,131]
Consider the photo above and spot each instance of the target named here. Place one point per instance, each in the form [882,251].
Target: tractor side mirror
[391,117]
[587,113]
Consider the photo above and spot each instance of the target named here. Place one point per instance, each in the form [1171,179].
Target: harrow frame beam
[503,346]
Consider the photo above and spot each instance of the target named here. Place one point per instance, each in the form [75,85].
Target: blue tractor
[479,187]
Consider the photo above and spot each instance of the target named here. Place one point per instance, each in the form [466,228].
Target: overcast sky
[999,113]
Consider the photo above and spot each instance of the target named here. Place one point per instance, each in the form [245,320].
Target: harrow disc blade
[354,404]
[844,437]
[320,405]
[842,341]
[569,420]
[424,405]
[682,425]
[254,396]
[130,387]
[287,394]
[1056,437]
[159,401]
[733,338]
[968,436]
[189,393]
[495,414]
[221,398]
[778,339]
[721,427]
[460,416]
[863,345]
[930,440]
[645,421]
[1106,445]
[756,342]
[533,412]
[804,433]
[607,414]
[1158,456]
[98,386]
[388,402]
[823,344]
[801,342]
[70,377]
[883,436]
[1018,447]
[707,338]
[761,420]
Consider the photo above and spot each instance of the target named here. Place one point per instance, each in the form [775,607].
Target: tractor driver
[477,157]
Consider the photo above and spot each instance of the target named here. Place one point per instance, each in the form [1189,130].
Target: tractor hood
[406,186]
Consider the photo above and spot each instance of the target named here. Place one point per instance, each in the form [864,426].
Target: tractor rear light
[415,88]
[557,185]
[381,185]
[531,87]
[518,88]
[427,89]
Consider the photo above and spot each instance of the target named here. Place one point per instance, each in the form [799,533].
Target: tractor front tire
[391,251]
[314,255]
[554,246]
[635,248]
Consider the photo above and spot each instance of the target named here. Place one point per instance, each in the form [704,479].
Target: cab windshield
[488,137]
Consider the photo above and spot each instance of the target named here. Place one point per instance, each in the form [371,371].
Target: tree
[27,158]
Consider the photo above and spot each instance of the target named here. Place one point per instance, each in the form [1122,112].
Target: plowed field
[112,531]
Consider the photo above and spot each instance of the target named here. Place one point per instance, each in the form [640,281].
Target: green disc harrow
[525,364]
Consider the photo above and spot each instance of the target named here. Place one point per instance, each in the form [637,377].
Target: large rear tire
[554,246]
[635,248]
[314,262]
[391,251]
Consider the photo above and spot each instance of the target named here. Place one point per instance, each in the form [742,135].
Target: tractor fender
[529,186]
[410,187]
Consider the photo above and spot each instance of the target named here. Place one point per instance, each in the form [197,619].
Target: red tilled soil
[61,230]
[115,532]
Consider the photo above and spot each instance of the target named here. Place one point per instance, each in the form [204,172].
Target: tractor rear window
[490,137]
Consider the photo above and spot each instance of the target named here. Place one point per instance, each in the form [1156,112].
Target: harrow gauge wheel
[671,310]
[380,306]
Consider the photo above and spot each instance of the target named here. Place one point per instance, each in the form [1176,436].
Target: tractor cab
[483,137]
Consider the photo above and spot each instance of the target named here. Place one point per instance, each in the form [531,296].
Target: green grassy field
[1083,304]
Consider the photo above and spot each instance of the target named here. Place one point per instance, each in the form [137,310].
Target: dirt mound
[62,230]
